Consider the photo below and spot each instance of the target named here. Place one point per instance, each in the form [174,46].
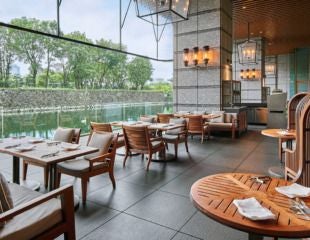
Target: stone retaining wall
[40,98]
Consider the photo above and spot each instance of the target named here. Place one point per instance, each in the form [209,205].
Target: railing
[41,122]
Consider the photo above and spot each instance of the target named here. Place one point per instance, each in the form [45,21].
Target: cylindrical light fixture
[185,56]
[241,74]
[195,55]
[205,54]
[253,73]
[248,73]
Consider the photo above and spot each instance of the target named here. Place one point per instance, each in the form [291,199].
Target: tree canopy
[54,63]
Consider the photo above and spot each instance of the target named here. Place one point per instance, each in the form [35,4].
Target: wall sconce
[270,69]
[196,56]
[248,74]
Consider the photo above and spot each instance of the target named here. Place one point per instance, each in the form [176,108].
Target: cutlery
[260,179]
[50,155]
[12,146]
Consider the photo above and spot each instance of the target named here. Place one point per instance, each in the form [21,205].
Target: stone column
[199,88]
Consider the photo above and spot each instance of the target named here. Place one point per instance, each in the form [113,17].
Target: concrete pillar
[199,88]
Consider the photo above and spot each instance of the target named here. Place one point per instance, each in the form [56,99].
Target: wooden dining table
[213,195]
[204,116]
[283,136]
[56,150]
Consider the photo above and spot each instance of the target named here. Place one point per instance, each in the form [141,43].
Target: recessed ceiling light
[252,33]
[260,32]
[269,43]
[243,7]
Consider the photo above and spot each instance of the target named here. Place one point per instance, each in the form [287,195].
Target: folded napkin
[285,132]
[252,209]
[70,146]
[36,140]
[294,190]
[24,148]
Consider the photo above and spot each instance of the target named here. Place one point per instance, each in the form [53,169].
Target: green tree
[139,72]
[6,57]
[28,47]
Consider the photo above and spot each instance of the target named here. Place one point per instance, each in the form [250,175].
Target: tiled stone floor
[156,204]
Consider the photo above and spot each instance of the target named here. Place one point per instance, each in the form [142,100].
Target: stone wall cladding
[36,98]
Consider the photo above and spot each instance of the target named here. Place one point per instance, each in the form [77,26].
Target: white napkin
[252,209]
[70,146]
[36,140]
[24,148]
[294,190]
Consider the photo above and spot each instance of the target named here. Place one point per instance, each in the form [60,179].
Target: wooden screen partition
[291,109]
[297,161]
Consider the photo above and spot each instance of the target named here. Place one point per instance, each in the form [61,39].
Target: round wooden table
[278,171]
[214,195]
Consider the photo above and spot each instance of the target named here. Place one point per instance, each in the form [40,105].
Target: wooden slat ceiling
[284,23]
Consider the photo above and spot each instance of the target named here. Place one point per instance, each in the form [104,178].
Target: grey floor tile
[203,227]
[124,196]
[182,184]
[154,178]
[165,209]
[182,236]
[125,227]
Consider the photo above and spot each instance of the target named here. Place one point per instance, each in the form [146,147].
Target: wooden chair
[164,117]
[197,126]
[106,127]
[92,164]
[176,136]
[297,161]
[138,140]
[74,138]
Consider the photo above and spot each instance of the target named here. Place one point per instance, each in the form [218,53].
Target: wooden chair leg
[25,168]
[176,150]
[149,162]
[46,175]
[202,137]
[142,156]
[111,174]
[166,144]
[58,179]
[125,158]
[84,190]
[186,145]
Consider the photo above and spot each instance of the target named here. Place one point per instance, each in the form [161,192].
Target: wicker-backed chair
[92,164]
[138,139]
[71,135]
[176,136]
[297,160]
[197,126]
[164,117]
[106,127]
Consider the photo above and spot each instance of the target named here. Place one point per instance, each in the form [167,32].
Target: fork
[50,155]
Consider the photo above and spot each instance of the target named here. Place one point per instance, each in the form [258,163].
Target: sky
[98,19]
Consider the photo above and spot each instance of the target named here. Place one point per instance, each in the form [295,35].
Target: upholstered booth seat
[81,165]
[33,222]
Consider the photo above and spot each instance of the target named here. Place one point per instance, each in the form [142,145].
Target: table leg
[253,236]
[52,180]
[16,169]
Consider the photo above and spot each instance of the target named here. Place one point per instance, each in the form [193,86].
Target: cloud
[98,19]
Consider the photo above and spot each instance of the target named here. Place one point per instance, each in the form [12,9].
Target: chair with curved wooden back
[164,117]
[291,109]
[71,135]
[197,126]
[92,164]
[297,161]
[138,139]
[105,127]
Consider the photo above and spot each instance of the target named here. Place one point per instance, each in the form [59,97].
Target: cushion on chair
[156,144]
[148,119]
[64,134]
[170,137]
[102,141]
[177,130]
[6,202]
[218,119]
[227,118]
[80,165]
[33,222]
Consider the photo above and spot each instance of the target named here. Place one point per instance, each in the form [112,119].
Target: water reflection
[43,123]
